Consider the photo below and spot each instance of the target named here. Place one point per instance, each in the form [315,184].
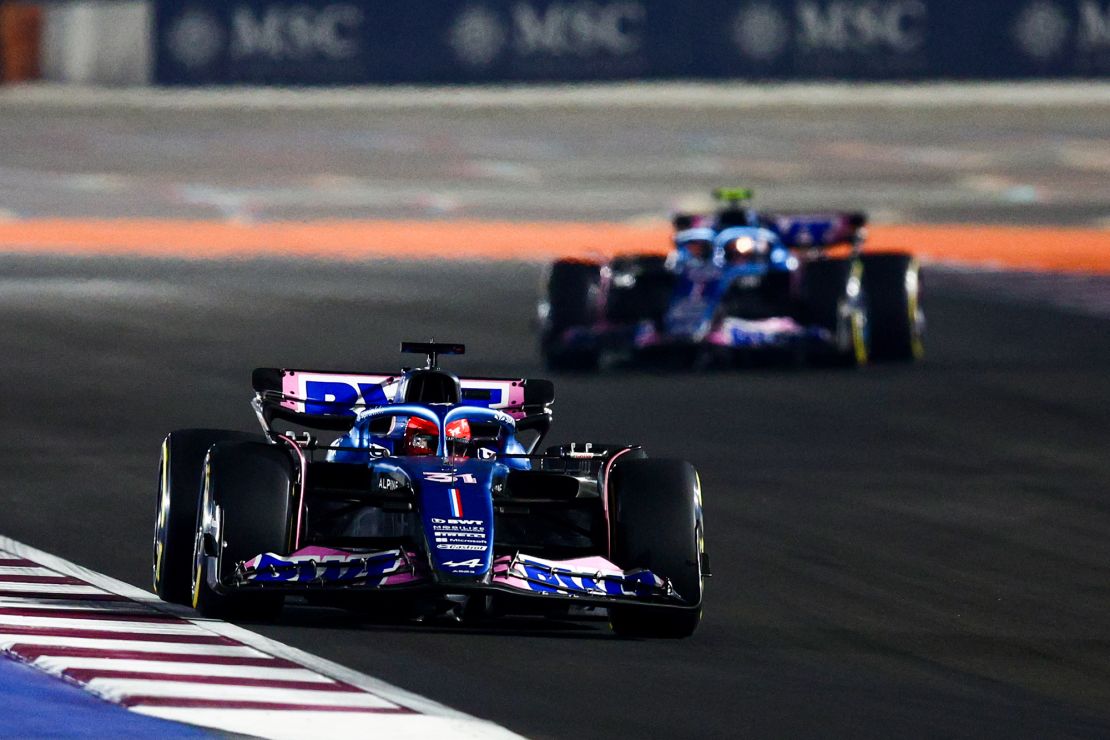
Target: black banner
[431,41]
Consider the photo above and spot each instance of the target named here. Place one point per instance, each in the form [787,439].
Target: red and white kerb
[127,647]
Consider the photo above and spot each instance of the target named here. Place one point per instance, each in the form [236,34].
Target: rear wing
[796,230]
[330,400]
[816,230]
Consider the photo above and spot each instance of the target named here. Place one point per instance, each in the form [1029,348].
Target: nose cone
[457,511]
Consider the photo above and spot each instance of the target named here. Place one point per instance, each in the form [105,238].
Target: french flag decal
[456,503]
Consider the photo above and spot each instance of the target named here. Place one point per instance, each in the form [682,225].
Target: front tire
[656,508]
[247,510]
[180,473]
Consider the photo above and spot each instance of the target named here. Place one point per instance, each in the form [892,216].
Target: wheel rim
[913,306]
[859,336]
[858,314]
[198,569]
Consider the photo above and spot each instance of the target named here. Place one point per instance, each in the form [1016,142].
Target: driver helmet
[746,249]
[695,244]
[421,437]
[458,437]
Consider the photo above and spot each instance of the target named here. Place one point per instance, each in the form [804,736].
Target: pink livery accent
[646,336]
[593,576]
[315,551]
[771,329]
[605,502]
[294,386]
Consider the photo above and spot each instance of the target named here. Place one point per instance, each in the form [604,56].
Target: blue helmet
[695,244]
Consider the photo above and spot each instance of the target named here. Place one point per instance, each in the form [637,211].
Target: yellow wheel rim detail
[196,583]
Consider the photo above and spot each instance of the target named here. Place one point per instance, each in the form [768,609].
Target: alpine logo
[472,563]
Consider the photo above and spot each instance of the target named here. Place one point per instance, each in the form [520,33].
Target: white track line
[734,95]
[43,643]
[134,628]
[123,609]
[119,690]
[322,724]
[50,588]
[161,660]
[16,570]
[58,665]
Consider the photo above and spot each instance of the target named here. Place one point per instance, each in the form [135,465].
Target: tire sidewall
[246,510]
[893,283]
[658,523]
[180,479]
[834,298]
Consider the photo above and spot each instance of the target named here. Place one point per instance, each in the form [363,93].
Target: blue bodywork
[701,284]
[697,313]
[453,492]
[427,494]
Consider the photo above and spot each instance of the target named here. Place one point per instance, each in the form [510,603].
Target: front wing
[731,332]
[591,580]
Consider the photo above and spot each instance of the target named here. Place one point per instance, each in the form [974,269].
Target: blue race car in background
[739,282]
[430,499]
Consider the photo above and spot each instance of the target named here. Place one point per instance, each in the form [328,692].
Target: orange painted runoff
[1034,248]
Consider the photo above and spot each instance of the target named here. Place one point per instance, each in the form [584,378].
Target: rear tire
[657,525]
[893,286]
[572,302]
[246,510]
[180,474]
[833,298]
[647,297]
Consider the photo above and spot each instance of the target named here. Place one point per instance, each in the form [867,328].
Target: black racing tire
[892,282]
[571,297]
[180,477]
[833,298]
[641,289]
[657,524]
[247,509]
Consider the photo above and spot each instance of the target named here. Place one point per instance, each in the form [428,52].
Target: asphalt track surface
[898,551]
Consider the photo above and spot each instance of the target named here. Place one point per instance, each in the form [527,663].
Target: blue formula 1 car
[739,283]
[430,499]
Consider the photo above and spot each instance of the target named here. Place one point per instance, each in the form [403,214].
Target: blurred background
[422,41]
[558,110]
[191,189]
